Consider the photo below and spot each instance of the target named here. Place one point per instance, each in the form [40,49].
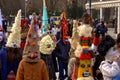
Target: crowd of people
[74,48]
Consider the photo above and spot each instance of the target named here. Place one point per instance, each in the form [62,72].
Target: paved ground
[111,32]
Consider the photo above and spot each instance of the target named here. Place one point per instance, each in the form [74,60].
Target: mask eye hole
[29,51]
[88,65]
[82,65]
[36,52]
[48,46]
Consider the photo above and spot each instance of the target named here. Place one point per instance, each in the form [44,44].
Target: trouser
[63,67]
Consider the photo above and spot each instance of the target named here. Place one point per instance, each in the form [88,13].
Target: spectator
[4,24]
[109,67]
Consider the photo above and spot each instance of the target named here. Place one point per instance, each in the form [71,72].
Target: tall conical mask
[31,50]
[44,19]
[14,38]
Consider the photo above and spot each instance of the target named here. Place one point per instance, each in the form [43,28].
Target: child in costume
[82,69]
[109,67]
[31,66]
[10,55]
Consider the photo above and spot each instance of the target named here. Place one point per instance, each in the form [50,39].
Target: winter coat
[50,65]
[6,66]
[62,51]
[109,70]
[32,71]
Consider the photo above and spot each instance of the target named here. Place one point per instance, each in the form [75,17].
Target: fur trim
[71,65]
[85,30]
[78,50]
[47,45]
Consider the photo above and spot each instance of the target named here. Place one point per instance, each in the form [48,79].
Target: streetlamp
[26,7]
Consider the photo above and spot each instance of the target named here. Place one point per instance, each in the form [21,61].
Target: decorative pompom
[35,22]
[33,43]
[29,35]
[31,28]
[35,28]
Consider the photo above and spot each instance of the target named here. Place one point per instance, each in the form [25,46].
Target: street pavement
[111,32]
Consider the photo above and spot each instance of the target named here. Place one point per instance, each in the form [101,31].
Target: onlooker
[54,29]
[4,24]
[109,67]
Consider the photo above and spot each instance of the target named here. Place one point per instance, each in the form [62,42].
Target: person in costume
[62,49]
[10,55]
[110,66]
[82,67]
[24,31]
[98,59]
[47,45]
[31,66]
[74,38]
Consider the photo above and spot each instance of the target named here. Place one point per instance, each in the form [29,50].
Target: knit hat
[31,50]
[14,38]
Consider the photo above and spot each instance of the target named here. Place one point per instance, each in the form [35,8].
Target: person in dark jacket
[62,54]
[4,24]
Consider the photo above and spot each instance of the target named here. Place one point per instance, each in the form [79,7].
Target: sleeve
[45,72]
[109,70]
[20,73]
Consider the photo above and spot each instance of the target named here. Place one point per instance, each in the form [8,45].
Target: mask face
[47,44]
[85,69]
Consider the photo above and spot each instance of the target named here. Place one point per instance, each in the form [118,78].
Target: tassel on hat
[14,38]
[31,50]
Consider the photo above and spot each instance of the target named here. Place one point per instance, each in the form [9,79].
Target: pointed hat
[31,50]
[14,38]
[44,18]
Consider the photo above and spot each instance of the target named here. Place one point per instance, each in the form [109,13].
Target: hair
[106,43]
[86,19]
